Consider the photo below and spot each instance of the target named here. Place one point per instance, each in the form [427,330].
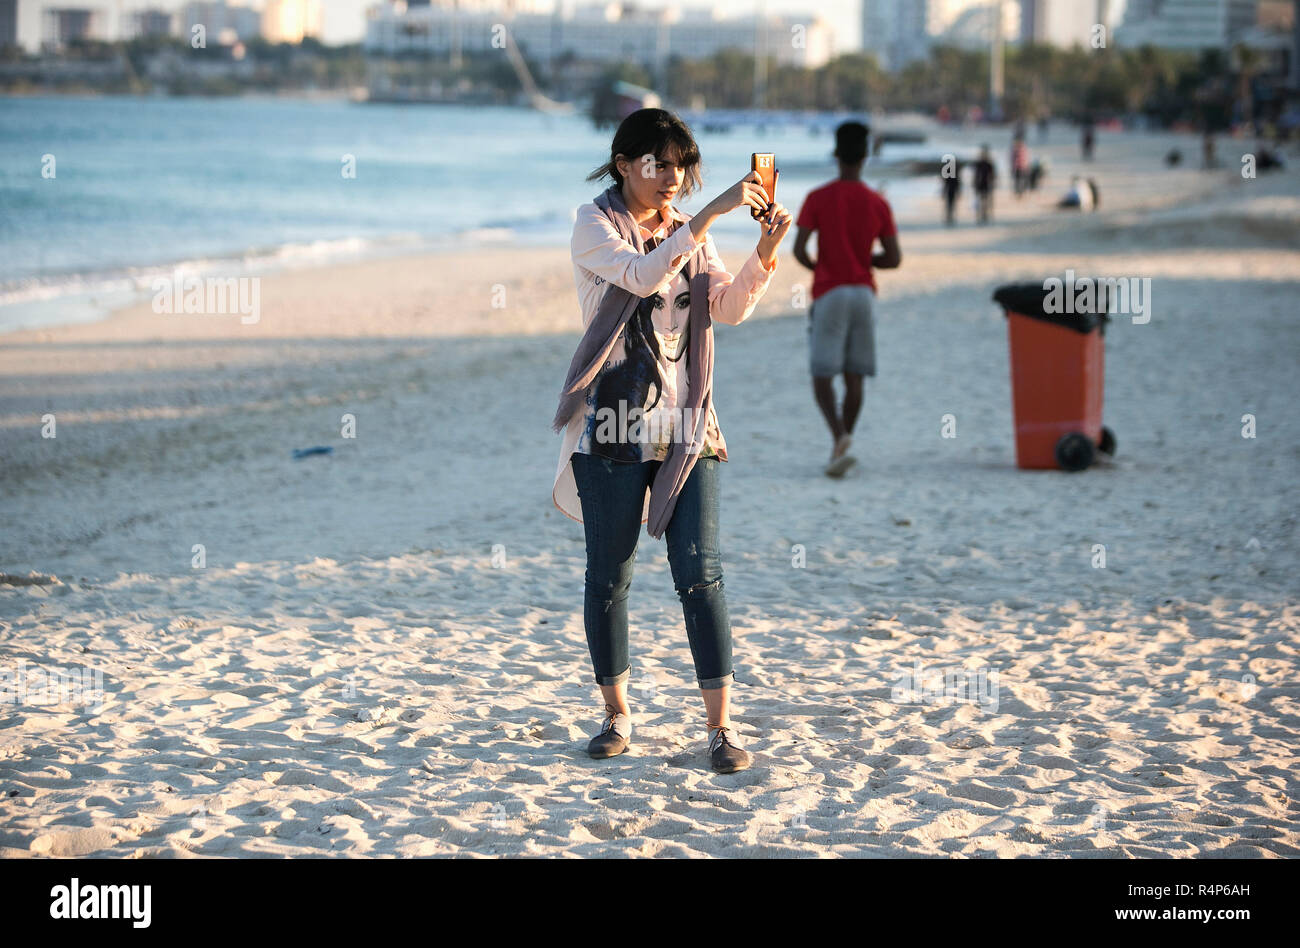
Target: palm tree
[1249,63]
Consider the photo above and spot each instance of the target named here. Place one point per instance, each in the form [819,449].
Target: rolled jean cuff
[614,679]
[710,683]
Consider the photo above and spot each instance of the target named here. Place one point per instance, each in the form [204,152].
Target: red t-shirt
[848,217]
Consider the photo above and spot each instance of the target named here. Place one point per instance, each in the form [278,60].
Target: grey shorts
[841,333]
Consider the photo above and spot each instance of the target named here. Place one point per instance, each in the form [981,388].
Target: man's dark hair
[851,142]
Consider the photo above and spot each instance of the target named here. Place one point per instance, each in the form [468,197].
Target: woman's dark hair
[653,132]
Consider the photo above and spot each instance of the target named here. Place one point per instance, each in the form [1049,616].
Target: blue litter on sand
[307,452]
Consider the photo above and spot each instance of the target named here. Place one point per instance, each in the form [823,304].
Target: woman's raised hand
[776,224]
[747,190]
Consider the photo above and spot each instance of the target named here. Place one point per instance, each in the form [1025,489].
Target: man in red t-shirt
[849,218]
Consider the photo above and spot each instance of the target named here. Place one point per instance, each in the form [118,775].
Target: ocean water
[143,185]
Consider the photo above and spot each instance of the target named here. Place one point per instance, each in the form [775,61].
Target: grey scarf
[603,333]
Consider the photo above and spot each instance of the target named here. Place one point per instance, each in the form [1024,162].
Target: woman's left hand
[776,224]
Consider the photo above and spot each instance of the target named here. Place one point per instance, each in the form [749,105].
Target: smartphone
[765,164]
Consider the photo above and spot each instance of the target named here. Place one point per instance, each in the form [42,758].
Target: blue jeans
[613,495]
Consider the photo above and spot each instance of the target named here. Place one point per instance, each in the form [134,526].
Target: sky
[345,19]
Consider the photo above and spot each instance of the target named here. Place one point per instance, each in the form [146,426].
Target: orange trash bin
[1057,380]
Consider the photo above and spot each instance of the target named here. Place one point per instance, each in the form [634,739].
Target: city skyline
[344,20]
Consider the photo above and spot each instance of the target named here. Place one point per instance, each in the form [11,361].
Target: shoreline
[97,294]
[1011,247]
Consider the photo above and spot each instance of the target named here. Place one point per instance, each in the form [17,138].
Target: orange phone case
[765,164]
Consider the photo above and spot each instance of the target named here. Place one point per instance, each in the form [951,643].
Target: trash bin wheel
[1107,443]
[1075,451]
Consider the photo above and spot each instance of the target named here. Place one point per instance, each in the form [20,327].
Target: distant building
[895,32]
[972,26]
[290,21]
[942,16]
[225,23]
[1295,51]
[898,32]
[1063,22]
[151,22]
[1275,39]
[1186,24]
[1277,15]
[611,33]
[63,25]
[8,23]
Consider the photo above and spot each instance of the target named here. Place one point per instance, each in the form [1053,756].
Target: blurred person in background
[1020,165]
[1079,197]
[1209,161]
[848,218]
[950,181]
[984,177]
[1037,171]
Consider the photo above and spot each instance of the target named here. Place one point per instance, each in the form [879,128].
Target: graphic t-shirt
[649,372]
[848,217]
[648,367]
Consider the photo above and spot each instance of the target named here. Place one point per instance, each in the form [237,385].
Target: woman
[650,283]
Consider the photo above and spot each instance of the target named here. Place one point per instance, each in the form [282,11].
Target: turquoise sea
[141,185]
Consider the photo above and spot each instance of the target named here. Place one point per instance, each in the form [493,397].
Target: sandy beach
[383,654]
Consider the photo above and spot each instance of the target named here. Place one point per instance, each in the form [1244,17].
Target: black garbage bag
[1057,304]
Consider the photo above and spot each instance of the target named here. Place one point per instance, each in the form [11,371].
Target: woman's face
[650,181]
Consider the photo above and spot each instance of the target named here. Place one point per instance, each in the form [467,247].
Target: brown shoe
[615,735]
[727,755]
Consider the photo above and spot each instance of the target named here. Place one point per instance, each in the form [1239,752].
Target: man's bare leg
[840,460]
[852,400]
[824,391]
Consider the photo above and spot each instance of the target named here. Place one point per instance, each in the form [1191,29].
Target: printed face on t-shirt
[637,380]
[656,303]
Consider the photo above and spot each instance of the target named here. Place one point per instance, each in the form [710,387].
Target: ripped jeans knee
[708,628]
[700,588]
